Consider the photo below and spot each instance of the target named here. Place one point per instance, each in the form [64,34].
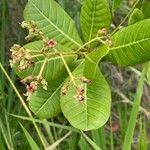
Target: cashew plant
[60,67]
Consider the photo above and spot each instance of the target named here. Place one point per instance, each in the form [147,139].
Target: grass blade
[49,123]
[94,145]
[111,136]
[3,29]
[2,143]
[73,143]
[5,135]
[134,113]
[142,137]
[83,144]
[98,137]
[23,103]
[30,140]
[48,131]
[54,145]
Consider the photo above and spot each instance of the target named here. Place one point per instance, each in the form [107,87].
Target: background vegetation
[18,129]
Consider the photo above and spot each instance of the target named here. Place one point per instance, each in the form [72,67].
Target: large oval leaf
[95,15]
[94,111]
[131,45]
[46,103]
[53,21]
[54,67]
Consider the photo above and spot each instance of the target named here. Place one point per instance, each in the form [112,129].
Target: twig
[67,68]
[125,17]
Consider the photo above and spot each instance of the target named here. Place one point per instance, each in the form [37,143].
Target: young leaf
[130,45]
[136,16]
[52,67]
[146,8]
[93,111]
[92,60]
[95,15]
[53,21]
[32,143]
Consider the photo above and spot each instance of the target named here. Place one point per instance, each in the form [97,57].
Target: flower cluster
[64,89]
[32,84]
[102,32]
[50,43]
[33,30]
[80,91]
[20,56]
[105,38]
[85,80]
[80,94]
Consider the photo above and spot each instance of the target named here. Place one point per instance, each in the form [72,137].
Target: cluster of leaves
[61,71]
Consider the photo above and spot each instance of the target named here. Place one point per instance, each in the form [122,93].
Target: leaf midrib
[55,25]
[92,23]
[86,113]
[129,44]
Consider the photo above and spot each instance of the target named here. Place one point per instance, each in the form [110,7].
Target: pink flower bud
[51,43]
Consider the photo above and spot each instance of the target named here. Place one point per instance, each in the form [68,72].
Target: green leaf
[92,60]
[95,15]
[94,110]
[116,4]
[146,8]
[136,16]
[53,21]
[30,140]
[53,69]
[131,44]
[45,103]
